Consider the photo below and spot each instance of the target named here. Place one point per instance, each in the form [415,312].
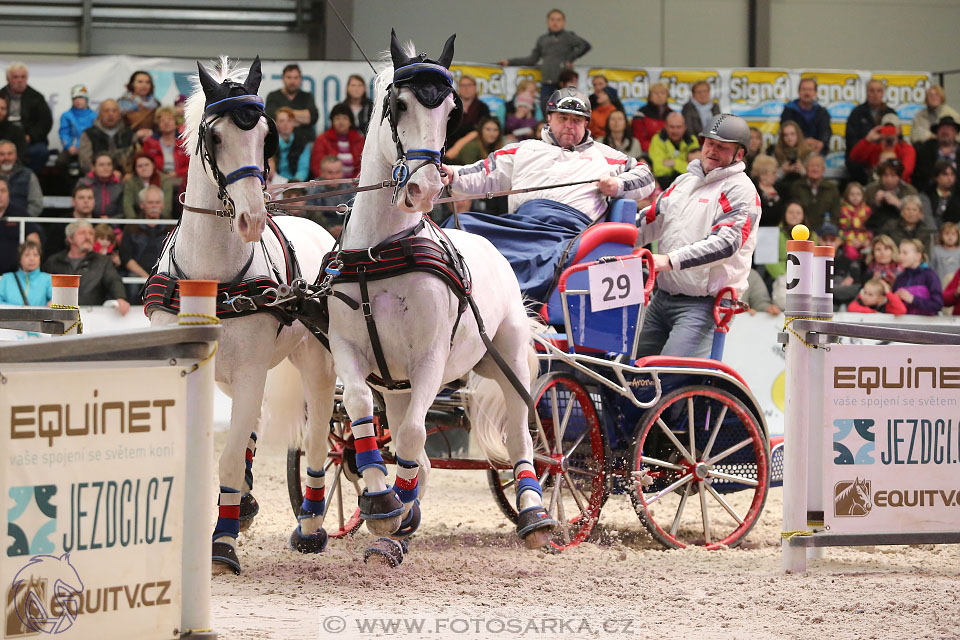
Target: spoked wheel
[705,462]
[568,458]
[342,516]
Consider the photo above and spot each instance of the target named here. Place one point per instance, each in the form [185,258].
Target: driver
[706,227]
[537,231]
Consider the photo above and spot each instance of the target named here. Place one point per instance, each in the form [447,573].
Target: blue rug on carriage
[532,240]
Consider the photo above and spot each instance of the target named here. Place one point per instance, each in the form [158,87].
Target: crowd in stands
[893,218]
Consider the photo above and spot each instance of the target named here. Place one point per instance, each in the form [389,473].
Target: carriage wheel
[341,518]
[722,464]
[572,473]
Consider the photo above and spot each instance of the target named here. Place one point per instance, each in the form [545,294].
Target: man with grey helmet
[705,224]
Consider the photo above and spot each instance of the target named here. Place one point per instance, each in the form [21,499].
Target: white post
[796,419]
[66,293]
[198,297]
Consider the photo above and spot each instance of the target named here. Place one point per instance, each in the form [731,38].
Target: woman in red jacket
[652,116]
[341,140]
[164,147]
[951,297]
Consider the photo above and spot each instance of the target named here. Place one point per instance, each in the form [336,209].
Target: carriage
[661,430]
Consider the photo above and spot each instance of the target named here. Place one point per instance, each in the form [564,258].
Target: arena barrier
[872,431]
[108,516]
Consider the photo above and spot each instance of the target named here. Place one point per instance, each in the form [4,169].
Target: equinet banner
[91,481]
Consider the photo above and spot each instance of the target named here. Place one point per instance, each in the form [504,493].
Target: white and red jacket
[707,225]
[534,163]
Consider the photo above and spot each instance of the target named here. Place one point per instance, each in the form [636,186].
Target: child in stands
[918,285]
[854,213]
[876,297]
[945,254]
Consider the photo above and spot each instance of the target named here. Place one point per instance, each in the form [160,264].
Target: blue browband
[228,104]
[417,67]
[249,171]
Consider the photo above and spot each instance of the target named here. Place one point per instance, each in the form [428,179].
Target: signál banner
[91,481]
[891,443]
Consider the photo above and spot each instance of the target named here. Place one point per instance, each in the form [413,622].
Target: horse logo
[852,498]
[45,597]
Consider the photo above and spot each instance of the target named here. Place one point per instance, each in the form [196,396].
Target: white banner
[92,483]
[891,445]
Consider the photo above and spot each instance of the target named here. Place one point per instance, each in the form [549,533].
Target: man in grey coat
[555,51]
[100,281]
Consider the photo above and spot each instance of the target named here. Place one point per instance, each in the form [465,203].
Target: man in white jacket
[705,224]
[542,223]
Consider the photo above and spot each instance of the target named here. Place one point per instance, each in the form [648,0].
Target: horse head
[861,493]
[418,104]
[234,139]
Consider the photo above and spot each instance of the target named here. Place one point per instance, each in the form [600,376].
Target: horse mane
[193,109]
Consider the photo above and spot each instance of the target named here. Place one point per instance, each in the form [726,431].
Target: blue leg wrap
[528,484]
[407,488]
[314,503]
[228,524]
[370,458]
[248,462]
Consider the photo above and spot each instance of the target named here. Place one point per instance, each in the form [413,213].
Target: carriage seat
[694,363]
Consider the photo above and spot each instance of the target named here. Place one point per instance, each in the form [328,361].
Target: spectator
[83,204]
[917,285]
[107,188]
[618,135]
[910,223]
[862,120]
[521,122]
[105,243]
[478,144]
[568,78]
[884,142]
[166,149]
[884,194]
[814,120]
[669,148]
[524,87]
[27,108]
[341,140]
[652,117]
[26,198]
[74,122]
[942,148]
[819,197]
[923,123]
[555,51]
[599,115]
[793,215]
[292,160]
[602,85]
[945,254]
[28,286]
[360,104]
[854,213]
[330,169]
[765,177]
[701,108]
[10,131]
[178,107]
[143,243]
[884,260]
[108,133]
[10,231]
[790,151]
[145,174]
[847,270]
[941,199]
[100,281]
[755,149]
[876,297]
[474,110]
[302,102]
[757,297]
[138,105]
[951,294]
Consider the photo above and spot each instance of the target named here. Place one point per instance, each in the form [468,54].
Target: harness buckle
[366,309]
[241,303]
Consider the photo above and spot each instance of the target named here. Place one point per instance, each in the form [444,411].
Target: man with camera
[863,119]
[884,142]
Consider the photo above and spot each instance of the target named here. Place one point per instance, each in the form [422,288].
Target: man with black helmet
[541,224]
[705,224]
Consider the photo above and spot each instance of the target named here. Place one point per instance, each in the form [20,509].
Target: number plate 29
[616,284]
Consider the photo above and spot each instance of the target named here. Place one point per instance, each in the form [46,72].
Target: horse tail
[486,406]
[283,404]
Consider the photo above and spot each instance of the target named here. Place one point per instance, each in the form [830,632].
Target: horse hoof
[313,543]
[225,559]
[387,551]
[249,508]
[411,523]
[535,526]
[383,526]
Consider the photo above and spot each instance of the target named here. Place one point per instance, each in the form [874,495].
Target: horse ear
[252,83]
[447,56]
[207,83]
[396,51]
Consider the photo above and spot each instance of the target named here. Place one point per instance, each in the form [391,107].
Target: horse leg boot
[249,507]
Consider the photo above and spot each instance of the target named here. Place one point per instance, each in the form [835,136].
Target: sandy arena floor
[468,576]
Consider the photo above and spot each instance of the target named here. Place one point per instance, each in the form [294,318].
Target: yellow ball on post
[800,232]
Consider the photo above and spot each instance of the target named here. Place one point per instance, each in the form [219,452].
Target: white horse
[226,124]
[416,313]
